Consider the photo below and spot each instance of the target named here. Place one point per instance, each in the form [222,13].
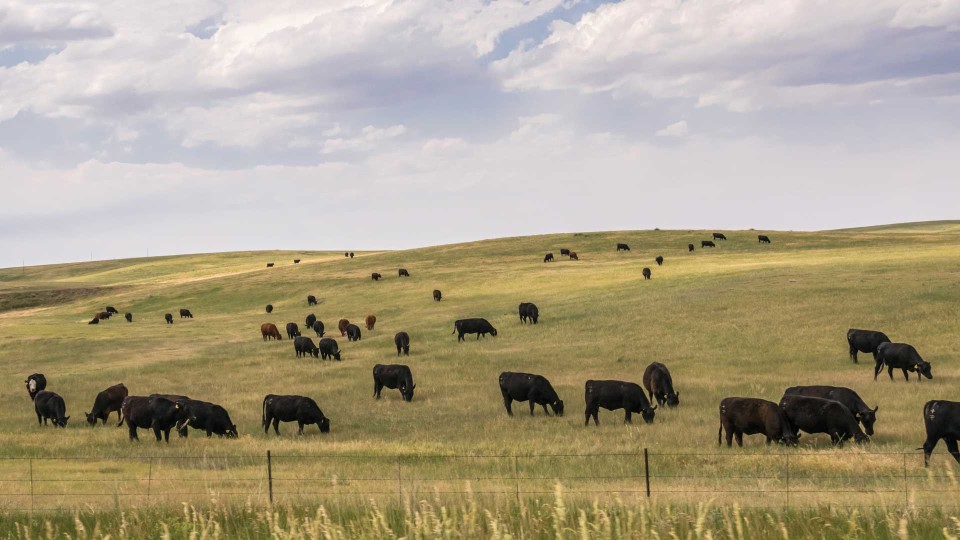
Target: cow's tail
[263,410]
[720,434]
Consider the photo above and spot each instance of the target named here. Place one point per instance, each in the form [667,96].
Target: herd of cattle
[836,411]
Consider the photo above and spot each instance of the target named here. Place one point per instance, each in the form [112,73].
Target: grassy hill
[744,319]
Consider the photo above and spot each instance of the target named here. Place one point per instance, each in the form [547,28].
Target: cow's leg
[299,427]
[853,354]
[877,368]
[739,435]
[545,411]
[627,416]
[156,433]
[133,431]
[276,426]
[166,432]
[890,372]
[906,376]
[377,388]
[209,433]
[39,419]
[952,447]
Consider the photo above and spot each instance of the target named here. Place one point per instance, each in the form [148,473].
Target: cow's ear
[876,408]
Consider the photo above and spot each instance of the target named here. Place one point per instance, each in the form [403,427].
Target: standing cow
[155,412]
[764,239]
[311,300]
[308,322]
[850,399]
[370,321]
[353,332]
[548,257]
[741,416]
[269,308]
[646,274]
[402,341]
[659,383]
[35,383]
[529,387]
[574,256]
[112,310]
[904,357]
[659,260]
[818,415]
[622,247]
[49,405]
[95,320]
[128,316]
[108,401]
[329,349]
[942,421]
[565,251]
[403,272]
[304,347]
[342,326]
[185,313]
[168,317]
[864,341]
[300,409]
[296,261]
[207,417]
[613,395]
[269,265]
[706,244]
[529,310]
[292,330]
[375,276]
[269,331]
[480,327]
[690,248]
[394,377]
[719,236]
[436,295]
[318,327]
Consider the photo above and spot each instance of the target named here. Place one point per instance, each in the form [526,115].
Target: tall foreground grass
[551,518]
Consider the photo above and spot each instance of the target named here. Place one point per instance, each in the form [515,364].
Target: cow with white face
[35,383]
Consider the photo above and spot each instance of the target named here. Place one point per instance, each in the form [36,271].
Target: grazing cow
[311,300]
[901,356]
[353,332]
[623,247]
[292,330]
[818,415]
[318,327]
[402,341]
[370,321]
[394,377]
[270,331]
[269,265]
[112,310]
[659,260]
[169,318]
[942,421]
[296,261]
[104,315]
[304,347]
[850,399]
[108,401]
[690,248]
[128,316]
[345,254]
[342,326]
[208,417]
[528,310]
[548,257]
[764,239]
[529,387]
[719,236]
[865,341]
[659,383]
[741,416]
[565,251]
[49,405]
[646,273]
[329,349]
[574,256]
[94,320]
[403,272]
[707,243]
[300,409]
[181,415]
[375,276]
[436,295]
[269,308]
[155,412]
[308,322]
[185,313]
[351,254]
[35,383]
[480,327]
[613,395]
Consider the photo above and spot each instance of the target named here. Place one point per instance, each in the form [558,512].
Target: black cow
[690,247]
[646,273]
[318,327]
[403,272]
[741,416]
[565,251]
[292,330]
[35,383]
[623,247]
[394,377]
[346,254]
[296,261]
[942,421]
[529,387]
[901,356]
[111,310]
[300,409]
[154,412]
[269,308]
[208,417]
[304,347]
[613,395]
[269,265]
[850,399]
[353,332]
[436,295]
[659,260]
[49,405]
[375,276]
[818,415]
[865,341]
[108,401]
[329,348]
[719,236]
[95,320]
[402,341]
[764,239]
[104,315]
[548,257]
[351,254]
[707,243]
[480,327]
[185,313]
[529,310]
[311,300]
[308,322]
[128,316]
[659,383]
[169,318]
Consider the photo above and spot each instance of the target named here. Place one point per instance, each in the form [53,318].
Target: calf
[741,416]
[49,405]
[613,395]
[865,341]
[942,421]
[403,272]
[342,326]
[529,310]
[329,349]
[707,243]
[208,417]
[155,412]
[169,318]
[548,257]
[690,248]
[764,239]
[185,313]
[128,316]
[375,276]
[292,330]
[480,327]
[659,383]
[646,274]
[304,347]
[370,321]
[270,331]
[353,332]
[529,387]
[269,308]
[311,300]
[574,256]
[719,236]
[108,401]
[436,295]
[308,322]
[111,310]
[659,260]
[901,356]
[402,341]
[318,328]
[35,383]
[623,247]
[565,251]
[818,415]
[300,409]
[394,377]
[850,399]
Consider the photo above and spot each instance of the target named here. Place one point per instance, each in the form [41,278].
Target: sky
[135,128]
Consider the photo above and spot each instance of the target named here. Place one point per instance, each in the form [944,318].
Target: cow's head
[232,432]
[648,413]
[557,407]
[91,419]
[315,352]
[860,438]
[61,422]
[324,424]
[790,438]
[336,355]
[923,368]
[493,331]
[407,393]
[867,419]
[673,399]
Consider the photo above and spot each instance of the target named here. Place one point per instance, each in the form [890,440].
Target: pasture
[741,319]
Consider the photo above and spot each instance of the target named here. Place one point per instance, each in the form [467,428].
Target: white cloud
[677,129]
[367,139]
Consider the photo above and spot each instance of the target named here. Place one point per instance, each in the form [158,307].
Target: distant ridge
[942,226]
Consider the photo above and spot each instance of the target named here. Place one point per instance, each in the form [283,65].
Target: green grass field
[743,319]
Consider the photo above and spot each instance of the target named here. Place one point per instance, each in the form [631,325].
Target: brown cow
[370,321]
[342,326]
[573,256]
[269,330]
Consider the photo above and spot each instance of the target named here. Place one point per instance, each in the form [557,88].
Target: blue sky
[195,125]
